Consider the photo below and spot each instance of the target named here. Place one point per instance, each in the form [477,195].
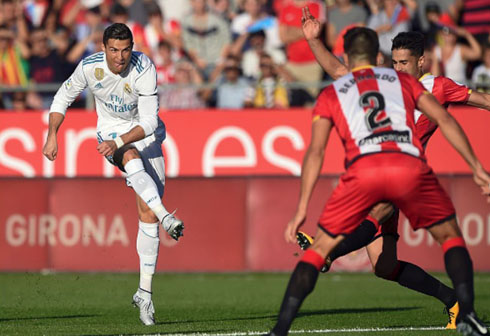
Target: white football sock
[147,245]
[145,187]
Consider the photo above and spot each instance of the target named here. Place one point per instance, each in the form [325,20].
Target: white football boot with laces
[173,226]
[142,300]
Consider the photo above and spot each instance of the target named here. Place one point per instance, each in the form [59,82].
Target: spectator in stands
[206,37]
[158,30]
[36,11]
[344,14]
[475,18]
[223,8]
[19,101]
[164,64]
[184,95]
[13,54]
[13,18]
[252,20]
[270,91]
[46,66]
[449,56]
[62,40]
[90,22]
[175,9]
[51,21]
[137,11]
[446,7]
[392,18]
[232,89]
[14,67]
[89,45]
[481,74]
[301,61]
[119,14]
[251,57]
[433,16]
[74,15]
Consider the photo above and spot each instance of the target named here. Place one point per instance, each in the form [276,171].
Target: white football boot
[142,300]
[173,226]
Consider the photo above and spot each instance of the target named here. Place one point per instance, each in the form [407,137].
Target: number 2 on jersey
[373,103]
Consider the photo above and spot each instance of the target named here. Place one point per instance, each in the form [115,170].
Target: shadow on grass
[187,332]
[269,316]
[300,314]
[354,311]
[44,318]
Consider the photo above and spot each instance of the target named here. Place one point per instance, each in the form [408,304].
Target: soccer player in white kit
[130,135]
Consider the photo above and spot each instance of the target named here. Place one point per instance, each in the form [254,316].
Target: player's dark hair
[117,31]
[361,43]
[413,41]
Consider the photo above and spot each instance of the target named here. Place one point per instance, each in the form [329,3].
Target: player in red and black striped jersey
[407,56]
[373,112]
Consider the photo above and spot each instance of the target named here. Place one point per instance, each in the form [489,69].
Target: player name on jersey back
[373,111]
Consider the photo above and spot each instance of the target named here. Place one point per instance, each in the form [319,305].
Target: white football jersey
[121,101]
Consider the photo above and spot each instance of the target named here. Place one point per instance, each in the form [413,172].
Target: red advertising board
[234,221]
[206,143]
[232,224]
[91,224]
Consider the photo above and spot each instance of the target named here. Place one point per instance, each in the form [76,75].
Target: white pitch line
[314,331]
[354,330]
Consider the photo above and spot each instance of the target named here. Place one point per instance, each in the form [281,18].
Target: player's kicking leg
[147,190]
[459,267]
[151,213]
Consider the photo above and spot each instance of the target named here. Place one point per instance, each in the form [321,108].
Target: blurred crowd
[229,53]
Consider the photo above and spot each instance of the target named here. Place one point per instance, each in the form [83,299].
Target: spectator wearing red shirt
[164,64]
[301,61]
[160,29]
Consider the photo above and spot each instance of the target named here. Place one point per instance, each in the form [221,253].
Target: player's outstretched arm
[453,132]
[311,30]
[63,98]
[50,149]
[312,164]
[479,99]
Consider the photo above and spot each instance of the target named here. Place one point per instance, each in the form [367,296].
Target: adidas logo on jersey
[98,86]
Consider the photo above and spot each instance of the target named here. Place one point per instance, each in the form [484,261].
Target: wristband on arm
[119,142]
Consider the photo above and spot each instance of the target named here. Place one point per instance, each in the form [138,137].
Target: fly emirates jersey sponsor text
[373,111]
[122,101]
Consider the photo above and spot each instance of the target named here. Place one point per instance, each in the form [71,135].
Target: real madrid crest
[99,73]
[127,88]
[68,83]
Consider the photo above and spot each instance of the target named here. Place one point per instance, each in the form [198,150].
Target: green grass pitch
[225,304]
